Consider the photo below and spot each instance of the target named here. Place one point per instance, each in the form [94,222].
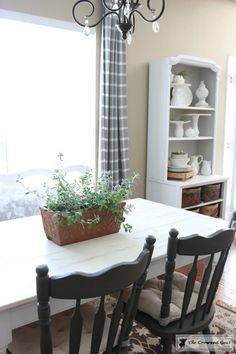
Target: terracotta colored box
[62,234]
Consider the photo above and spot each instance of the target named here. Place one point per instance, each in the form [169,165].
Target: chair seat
[26,339]
[151,298]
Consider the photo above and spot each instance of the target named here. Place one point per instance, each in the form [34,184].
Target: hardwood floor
[227,287]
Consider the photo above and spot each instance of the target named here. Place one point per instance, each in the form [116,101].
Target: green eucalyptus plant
[183,73]
[72,199]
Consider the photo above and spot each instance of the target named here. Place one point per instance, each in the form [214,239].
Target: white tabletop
[24,246]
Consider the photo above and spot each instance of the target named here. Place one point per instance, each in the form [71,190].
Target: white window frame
[22,17]
[16,16]
[229,164]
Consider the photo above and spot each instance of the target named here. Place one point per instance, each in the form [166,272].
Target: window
[47,94]
[229,165]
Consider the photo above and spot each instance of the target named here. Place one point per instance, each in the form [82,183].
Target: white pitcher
[195,161]
[206,168]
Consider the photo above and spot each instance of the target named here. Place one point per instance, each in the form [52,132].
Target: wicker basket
[191,196]
[62,233]
[210,210]
[210,192]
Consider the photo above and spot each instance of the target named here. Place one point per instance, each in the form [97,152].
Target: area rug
[229,307]
[142,341]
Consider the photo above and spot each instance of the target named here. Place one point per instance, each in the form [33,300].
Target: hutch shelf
[162,140]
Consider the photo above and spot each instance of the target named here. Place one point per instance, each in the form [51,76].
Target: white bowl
[179,162]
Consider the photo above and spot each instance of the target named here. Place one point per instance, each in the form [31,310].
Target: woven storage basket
[210,192]
[210,210]
[191,196]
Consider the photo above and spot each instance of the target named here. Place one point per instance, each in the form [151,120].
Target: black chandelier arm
[91,13]
[146,19]
[135,5]
[81,1]
[148,5]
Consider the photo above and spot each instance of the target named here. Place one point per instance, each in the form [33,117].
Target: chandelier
[124,10]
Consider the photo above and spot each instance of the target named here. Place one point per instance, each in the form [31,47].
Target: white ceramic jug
[195,161]
[206,168]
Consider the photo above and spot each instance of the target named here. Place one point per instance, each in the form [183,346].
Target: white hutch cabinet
[161,134]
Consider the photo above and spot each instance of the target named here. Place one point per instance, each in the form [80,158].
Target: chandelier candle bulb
[127,10]
[115,6]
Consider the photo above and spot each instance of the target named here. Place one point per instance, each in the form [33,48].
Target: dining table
[23,246]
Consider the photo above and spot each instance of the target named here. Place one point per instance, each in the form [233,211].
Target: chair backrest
[196,245]
[80,286]
[232,223]
[14,202]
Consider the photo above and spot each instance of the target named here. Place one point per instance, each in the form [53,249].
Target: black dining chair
[178,304]
[232,223]
[89,330]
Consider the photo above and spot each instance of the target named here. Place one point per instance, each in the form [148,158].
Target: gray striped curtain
[114,104]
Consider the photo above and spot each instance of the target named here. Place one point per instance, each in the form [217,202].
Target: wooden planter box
[62,234]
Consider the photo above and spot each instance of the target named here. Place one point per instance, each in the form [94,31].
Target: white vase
[190,132]
[206,168]
[179,130]
[195,118]
[202,93]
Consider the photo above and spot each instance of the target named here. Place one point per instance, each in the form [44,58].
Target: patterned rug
[142,341]
[224,323]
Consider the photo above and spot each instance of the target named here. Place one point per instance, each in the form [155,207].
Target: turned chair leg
[208,332]
[167,345]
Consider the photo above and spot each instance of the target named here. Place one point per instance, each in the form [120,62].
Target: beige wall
[59,9]
[204,28]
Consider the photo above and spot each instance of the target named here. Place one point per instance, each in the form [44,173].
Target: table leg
[5,332]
